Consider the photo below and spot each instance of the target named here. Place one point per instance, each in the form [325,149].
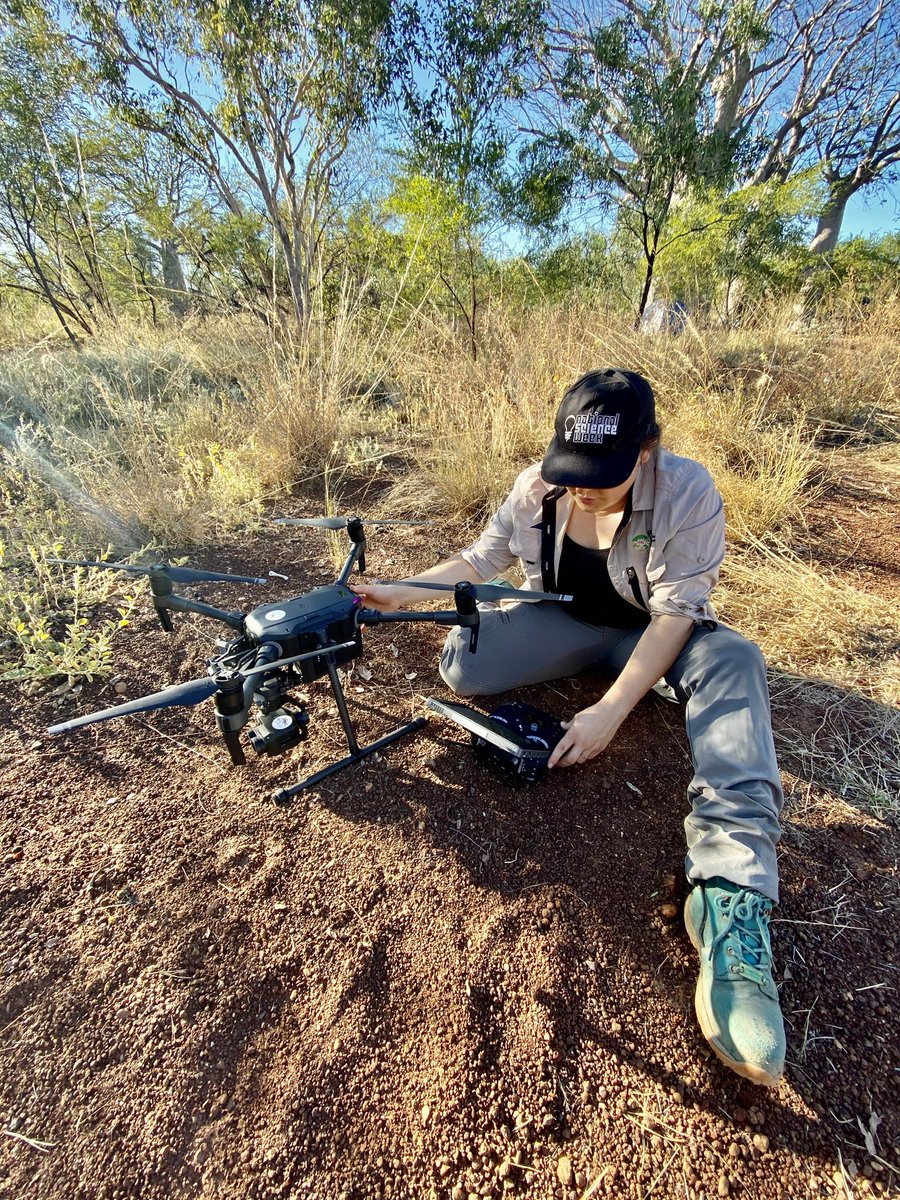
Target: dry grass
[838,741]
[763,466]
[810,623]
[835,652]
[186,435]
[733,405]
[189,434]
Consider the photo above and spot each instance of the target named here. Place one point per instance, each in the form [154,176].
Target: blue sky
[869,213]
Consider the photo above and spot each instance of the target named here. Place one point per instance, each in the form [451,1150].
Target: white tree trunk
[173,278]
[830,220]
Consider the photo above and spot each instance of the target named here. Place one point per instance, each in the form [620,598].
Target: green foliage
[865,267]
[632,130]
[264,97]
[40,169]
[78,211]
[54,621]
[469,62]
[433,221]
[582,263]
[438,248]
[199,157]
[755,236]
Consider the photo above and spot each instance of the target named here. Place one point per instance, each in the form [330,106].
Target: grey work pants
[735,794]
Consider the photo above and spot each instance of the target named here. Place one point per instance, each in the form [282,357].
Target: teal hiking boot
[736,998]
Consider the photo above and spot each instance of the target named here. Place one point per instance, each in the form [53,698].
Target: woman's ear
[645,456]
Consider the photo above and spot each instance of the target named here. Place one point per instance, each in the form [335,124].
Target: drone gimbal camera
[283,644]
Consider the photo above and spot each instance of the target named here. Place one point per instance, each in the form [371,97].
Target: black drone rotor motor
[231,716]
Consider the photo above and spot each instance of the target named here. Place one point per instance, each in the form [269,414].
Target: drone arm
[466,614]
[357,535]
[165,597]
[371,616]
[183,604]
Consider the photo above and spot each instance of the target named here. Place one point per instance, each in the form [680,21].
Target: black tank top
[584,574]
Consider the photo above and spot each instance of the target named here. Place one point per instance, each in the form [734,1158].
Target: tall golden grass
[190,433]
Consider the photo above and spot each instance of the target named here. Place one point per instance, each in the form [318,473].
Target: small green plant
[49,623]
[82,651]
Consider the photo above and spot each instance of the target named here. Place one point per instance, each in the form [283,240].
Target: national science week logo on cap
[590,428]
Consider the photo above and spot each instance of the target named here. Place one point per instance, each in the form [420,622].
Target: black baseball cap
[600,425]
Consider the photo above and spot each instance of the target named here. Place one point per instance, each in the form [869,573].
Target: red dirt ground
[416,982]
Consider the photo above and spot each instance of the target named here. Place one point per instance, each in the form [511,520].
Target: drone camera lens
[278,731]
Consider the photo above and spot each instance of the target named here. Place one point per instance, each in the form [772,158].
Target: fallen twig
[664,1170]
[592,1187]
[43,1147]
[181,744]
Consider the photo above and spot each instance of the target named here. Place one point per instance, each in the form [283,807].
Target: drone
[285,644]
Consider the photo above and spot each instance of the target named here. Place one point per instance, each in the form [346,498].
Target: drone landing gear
[357,753]
[285,795]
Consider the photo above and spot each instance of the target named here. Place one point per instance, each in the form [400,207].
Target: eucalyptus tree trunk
[174,283]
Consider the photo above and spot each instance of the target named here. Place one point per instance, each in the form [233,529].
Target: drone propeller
[481,591]
[184,694]
[175,574]
[194,691]
[339,522]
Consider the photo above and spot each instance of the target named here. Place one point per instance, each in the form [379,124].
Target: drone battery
[341,631]
[279,730]
[515,741]
[325,616]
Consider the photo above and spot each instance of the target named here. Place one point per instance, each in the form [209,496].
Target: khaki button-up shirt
[669,551]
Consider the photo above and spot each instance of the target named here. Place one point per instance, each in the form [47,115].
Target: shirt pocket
[525,544]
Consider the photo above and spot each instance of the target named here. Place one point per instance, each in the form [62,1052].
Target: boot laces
[745,934]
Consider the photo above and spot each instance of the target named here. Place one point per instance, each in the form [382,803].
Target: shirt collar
[644,489]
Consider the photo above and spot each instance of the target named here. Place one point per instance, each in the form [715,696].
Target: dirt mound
[416,981]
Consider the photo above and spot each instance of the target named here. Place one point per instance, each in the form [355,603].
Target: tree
[645,105]
[55,228]
[438,241]
[857,134]
[800,83]
[620,120]
[745,245]
[470,59]
[465,71]
[263,95]
[163,186]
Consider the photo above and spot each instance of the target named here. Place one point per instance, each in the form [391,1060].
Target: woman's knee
[725,650]
[453,667]
[481,674]
[739,652]
[457,682]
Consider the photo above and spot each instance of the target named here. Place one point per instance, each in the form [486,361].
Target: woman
[637,535]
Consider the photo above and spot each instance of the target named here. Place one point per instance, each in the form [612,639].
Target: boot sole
[709,1028]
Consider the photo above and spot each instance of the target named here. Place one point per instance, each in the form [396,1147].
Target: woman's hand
[383,597]
[591,730]
[389,597]
[587,734]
